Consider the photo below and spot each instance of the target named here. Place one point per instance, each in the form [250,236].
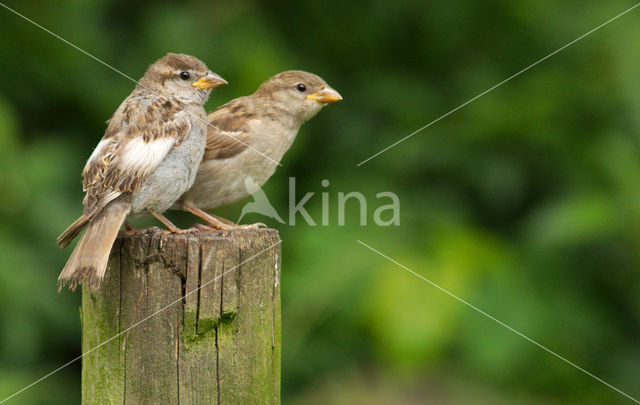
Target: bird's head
[181,77]
[302,94]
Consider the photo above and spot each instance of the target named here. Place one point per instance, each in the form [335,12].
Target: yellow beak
[209,81]
[326,95]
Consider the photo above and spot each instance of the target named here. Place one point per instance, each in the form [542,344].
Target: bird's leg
[219,218]
[214,221]
[130,230]
[168,224]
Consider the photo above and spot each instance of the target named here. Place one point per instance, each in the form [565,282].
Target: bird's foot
[257,225]
[130,231]
[221,226]
[202,228]
[180,231]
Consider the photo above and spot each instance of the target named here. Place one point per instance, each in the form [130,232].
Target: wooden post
[218,345]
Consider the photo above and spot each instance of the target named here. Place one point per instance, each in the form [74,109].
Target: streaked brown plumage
[249,136]
[147,158]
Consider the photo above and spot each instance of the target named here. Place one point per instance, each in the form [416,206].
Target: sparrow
[147,158]
[247,138]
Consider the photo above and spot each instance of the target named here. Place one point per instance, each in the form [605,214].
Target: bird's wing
[228,133]
[140,134]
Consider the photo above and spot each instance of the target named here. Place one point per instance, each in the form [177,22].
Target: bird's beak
[209,81]
[326,95]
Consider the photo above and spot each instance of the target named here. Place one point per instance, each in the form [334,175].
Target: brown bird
[247,138]
[148,157]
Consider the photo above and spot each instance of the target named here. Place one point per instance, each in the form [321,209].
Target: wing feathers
[227,135]
[137,140]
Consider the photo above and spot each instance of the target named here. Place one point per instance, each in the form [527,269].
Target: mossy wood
[218,345]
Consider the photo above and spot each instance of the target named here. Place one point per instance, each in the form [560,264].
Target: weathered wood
[206,315]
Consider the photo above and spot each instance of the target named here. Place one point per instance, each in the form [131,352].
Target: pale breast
[224,181]
[173,176]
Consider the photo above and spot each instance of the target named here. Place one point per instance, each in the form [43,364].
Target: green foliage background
[526,202]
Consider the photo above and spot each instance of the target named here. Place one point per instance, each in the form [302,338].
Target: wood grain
[206,310]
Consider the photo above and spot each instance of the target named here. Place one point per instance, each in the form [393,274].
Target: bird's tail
[71,232]
[88,262]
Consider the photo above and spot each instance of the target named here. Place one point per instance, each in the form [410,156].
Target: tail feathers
[88,262]
[71,232]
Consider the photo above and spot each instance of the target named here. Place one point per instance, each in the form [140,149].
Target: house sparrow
[147,158]
[247,138]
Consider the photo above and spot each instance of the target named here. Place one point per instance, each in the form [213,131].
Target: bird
[248,137]
[147,158]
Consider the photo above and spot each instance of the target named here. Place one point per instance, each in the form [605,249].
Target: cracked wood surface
[218,345]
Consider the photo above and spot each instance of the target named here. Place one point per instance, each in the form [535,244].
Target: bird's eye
[301,87]
[185,75]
